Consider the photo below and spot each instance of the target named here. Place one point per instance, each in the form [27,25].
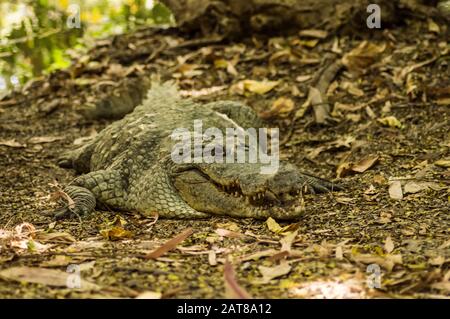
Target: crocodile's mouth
[206,195]
[264,197]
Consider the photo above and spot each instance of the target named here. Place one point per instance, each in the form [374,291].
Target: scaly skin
[128,166]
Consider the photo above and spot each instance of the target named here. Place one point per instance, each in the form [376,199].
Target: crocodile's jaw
[207,197]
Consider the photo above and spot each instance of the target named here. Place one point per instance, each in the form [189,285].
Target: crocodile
[129,166]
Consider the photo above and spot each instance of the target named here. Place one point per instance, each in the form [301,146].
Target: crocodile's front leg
[105,186]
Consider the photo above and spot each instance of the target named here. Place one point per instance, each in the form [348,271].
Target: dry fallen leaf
[433,26]
[115,233]
[276,228]
[11,143]
[259,254]
[388,245]
[395,190]
[303,78]
[228,233]
[55,237]
[281,107]
[379,179]
[115,229]
[149,295]
[343,169]
[364,164]
[188,70]
[57,261]
[352,89]
[44,139]
[413,187]
[287,241]
[331,289]
[171,244]
[270,273]
[365,54]
[232,288]
[48,277]
[437,261]
[339,253]
[259,87]
[388,261]
[273,225]
[443,285]
[391,121]
[314,33]
[443,163]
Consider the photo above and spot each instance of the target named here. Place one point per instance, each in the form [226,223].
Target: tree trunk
[237,17]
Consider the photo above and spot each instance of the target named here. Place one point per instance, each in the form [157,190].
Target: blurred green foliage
[35,34]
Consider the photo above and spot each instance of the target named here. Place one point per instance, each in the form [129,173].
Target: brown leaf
[415,187]
[259,87]
[443,285]
[388,245]
[171,244]
[379,179]
[364,164]
[443,163]
[343,169]
[270,273]
[44,139]
[387,262]
[11,143]
[228,233]
[44,276]
[281,107]
[57,261]
[212,258]
[395,190]
[259,254]
[287,240]
[303,78]
[391,121]
[339,253]
[276,228]
[314,33]
[55,237]
[115,233]
[149,295]
[365,54]
[232,288]
[443,101]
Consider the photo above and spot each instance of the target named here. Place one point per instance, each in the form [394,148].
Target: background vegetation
[36,39]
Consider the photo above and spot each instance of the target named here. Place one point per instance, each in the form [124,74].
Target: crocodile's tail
[130,94]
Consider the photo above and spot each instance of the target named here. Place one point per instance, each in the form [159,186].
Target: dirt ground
[388,144]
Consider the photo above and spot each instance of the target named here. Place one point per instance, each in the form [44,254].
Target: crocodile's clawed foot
[316,184]
[80,202]
[65,160]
